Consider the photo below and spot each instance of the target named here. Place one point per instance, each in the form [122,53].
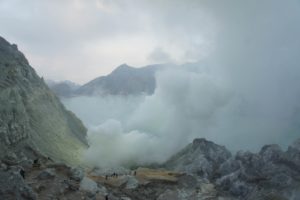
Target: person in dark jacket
[22,173]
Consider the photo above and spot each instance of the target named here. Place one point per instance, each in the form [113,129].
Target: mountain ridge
[124,80]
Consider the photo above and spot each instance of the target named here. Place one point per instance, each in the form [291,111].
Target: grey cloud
[66,30]
[158,55]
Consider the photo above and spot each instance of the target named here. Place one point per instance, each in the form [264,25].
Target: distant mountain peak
[124,65]
[122,68]
[124,80]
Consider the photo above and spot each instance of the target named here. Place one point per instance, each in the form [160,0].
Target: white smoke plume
[183,107]
[249,96]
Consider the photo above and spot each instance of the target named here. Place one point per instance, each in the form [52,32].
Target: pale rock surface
[31,116]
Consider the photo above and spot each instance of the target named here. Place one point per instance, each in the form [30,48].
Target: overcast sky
[81,39]
[253,45]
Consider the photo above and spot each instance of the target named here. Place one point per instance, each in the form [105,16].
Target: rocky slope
[32,119]
[201,157]
[270,174]
[58,181]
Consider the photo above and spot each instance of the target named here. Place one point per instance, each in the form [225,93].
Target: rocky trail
[47,180]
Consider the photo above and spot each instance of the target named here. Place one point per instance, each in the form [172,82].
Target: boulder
[271,170]
[169,195]
[12,186]
[3,166]
[77,174]
[88,185]
[132,182]
[202,158]
[293,155]
[46,174]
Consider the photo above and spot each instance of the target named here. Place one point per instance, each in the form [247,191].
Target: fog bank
[247,96]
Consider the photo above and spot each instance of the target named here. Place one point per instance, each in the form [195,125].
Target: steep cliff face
[31,115]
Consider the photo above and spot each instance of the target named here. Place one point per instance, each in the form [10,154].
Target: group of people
[34,164]
[112,175]
[116,175]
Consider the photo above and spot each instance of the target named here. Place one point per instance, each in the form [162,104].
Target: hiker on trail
[22,173]
[50,159]
[36,163]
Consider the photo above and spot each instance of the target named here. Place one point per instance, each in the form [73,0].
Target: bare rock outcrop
[269,174]
[201,157]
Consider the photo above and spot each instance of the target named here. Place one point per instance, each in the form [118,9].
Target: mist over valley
[204,107]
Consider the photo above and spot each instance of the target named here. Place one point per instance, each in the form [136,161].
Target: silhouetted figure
[36,163]
[106,197]
[106,177]
[134,173]
[22,173]
[50,159]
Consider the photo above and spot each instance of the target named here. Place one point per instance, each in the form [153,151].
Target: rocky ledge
[269,174]
[201,171]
